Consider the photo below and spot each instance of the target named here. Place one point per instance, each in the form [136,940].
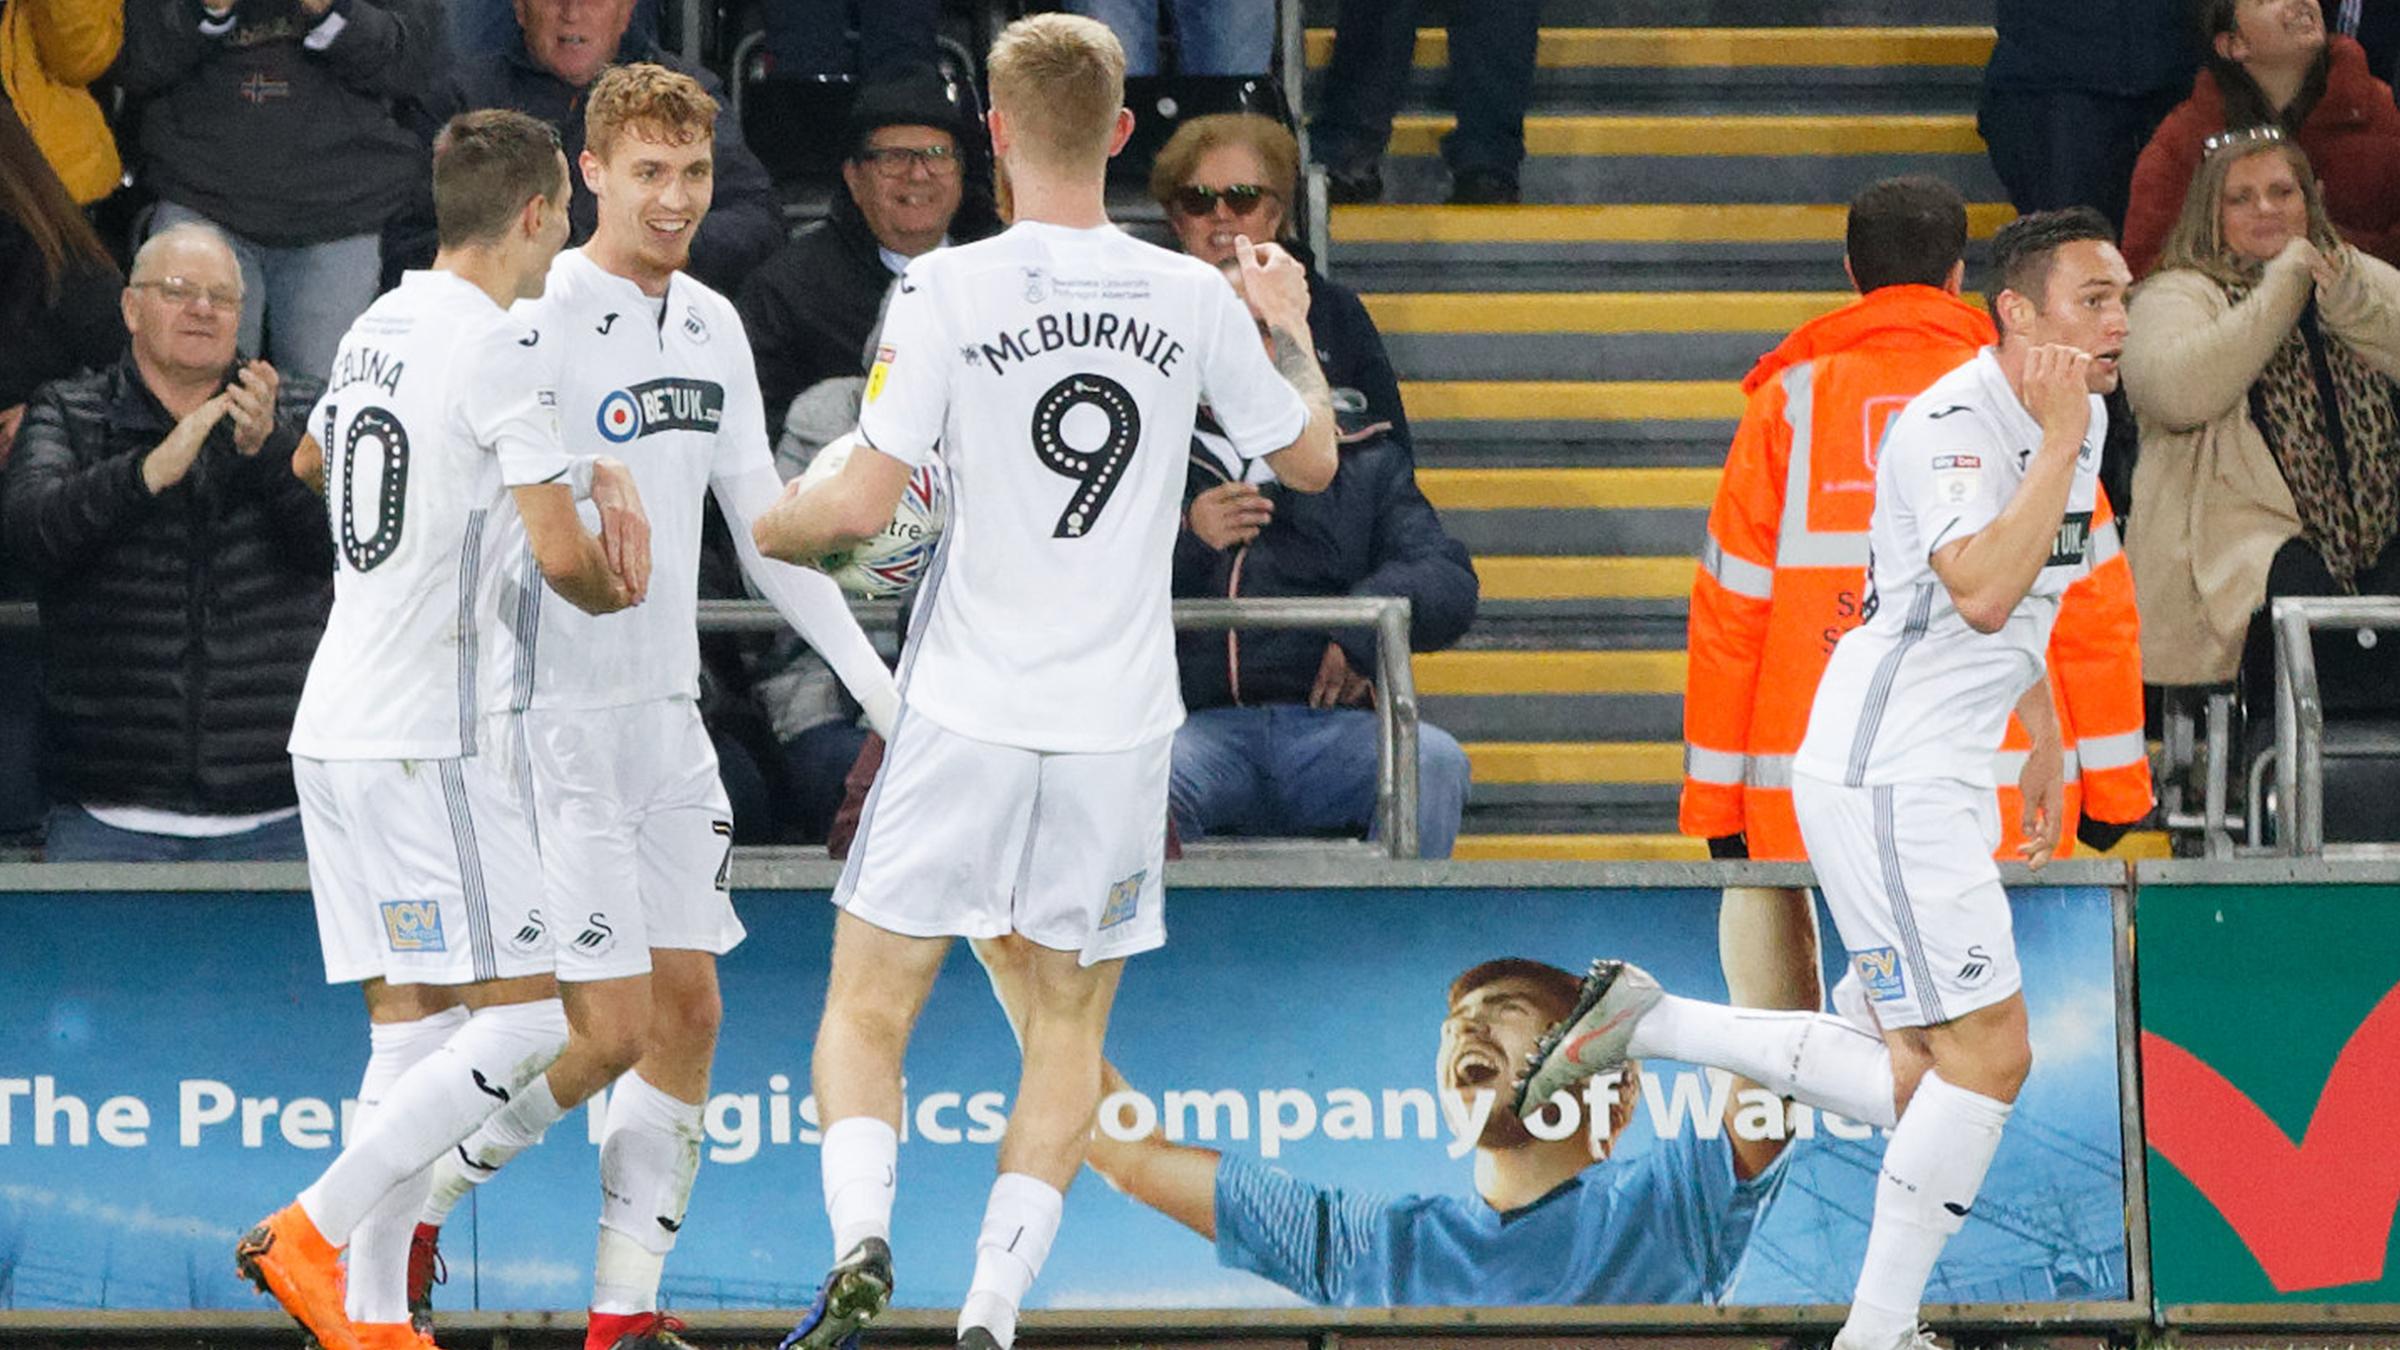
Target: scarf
[2343,467]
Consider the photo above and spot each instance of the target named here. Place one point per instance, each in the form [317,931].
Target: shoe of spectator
[1354,187]
[287,1258]
[425,1270]
[854,1293]
[1484,187]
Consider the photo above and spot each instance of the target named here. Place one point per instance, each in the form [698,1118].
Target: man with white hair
[183,575]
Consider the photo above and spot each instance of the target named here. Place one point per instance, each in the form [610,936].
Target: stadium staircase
[1571,366]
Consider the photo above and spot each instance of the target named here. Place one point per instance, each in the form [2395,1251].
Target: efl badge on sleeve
[876,376]
[413,926]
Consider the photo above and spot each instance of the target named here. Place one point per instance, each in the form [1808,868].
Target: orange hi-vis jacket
[1783,573]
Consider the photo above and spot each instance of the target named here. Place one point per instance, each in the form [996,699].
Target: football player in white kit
[439,421]
[1055,370]
[635,829]
[1985,487]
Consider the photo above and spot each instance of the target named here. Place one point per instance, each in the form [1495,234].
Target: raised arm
[1990,571]
[1277,288]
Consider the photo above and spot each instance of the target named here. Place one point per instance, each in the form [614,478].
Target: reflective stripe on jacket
[1782,574]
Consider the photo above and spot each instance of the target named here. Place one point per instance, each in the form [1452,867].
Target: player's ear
[2016,312]
[1123,133]
[591,166]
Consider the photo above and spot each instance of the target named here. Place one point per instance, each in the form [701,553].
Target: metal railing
[2300,708]
[1395,679]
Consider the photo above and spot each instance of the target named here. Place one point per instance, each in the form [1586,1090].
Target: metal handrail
[2300,707]
[1396,788]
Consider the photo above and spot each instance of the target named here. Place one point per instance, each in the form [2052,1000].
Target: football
[889,565]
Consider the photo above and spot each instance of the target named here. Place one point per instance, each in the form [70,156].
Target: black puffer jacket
[179,627]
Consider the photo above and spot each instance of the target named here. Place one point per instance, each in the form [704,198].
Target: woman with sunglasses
[1234,174]
[2264,364]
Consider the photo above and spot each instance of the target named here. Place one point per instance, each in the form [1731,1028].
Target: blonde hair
[1059,80]
[1278,156]
[662,104]
[2197,243]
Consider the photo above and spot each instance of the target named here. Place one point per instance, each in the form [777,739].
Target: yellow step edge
[1691,48]
[1576,672]
[1508,577]
[1744,134]
[1579,848]
[1600,311]
[1571,400]
[1647,223]
[1519,762]
[1569,489]
[1682,848]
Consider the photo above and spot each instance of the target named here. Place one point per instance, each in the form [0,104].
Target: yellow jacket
[49,51]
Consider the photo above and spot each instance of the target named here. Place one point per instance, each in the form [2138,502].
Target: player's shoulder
[1956,407]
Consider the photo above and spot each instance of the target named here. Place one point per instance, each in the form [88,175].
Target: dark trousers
[2058,148]
[2350,678]
[812,37]
[1491,81]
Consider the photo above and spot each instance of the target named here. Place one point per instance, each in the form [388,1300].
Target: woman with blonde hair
[1235,174]
[2262,366]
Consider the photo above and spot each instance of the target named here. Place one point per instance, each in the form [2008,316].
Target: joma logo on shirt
[671,404]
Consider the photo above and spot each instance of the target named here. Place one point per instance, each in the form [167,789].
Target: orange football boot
[286,1257]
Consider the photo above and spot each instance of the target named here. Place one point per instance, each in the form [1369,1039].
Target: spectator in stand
[58,304]
[271,119]
[563,46]
[1281,736]
[1234,174]
[1212,37]
[2270,63]
[2262,362]
[50,53]
[812,37]
[1780,579]
[184,575]
[1492,46]
[2073,92]
[2377,28]
[811,307]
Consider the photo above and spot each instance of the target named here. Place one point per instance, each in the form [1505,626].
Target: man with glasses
[810,308]
[183,572]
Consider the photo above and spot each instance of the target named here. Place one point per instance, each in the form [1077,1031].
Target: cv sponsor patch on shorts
[413,926]
[1124,900]
[1879,970]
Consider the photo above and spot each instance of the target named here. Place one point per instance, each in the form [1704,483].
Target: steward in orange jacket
[1784,567]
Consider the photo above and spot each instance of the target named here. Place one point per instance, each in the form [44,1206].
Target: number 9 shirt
[1056,372]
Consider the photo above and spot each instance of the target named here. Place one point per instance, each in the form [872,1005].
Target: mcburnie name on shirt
[1146,341]
[35,1113]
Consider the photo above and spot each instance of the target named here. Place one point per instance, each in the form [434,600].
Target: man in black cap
[906,190]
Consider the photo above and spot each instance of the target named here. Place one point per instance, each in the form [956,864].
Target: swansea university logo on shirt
[672,404]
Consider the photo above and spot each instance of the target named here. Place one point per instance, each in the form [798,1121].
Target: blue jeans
[1212,37]
[313,291]
[77,836]
[1492,44]
[1288,769]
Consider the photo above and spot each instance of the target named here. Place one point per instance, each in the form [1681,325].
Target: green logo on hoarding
[2270,1091]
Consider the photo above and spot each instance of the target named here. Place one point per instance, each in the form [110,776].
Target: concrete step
[1817,157]
[1572,421]
[1559,335]
[1574,512]
[1726,69]
[1553,695]
[1757,247]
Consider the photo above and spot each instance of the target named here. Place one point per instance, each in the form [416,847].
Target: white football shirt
[670,390]
[1914,693]
[439,401]
[1056,372]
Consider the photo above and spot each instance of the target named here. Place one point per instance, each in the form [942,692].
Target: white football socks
[649,1155]
[1820,1059]
[860,1165]
[1019,1223]
[376,1289]
[436,1103]
[508,1132]
[1932,1169]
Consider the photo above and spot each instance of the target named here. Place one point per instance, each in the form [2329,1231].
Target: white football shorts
[636,834]
[424,871]
[1907,871]
[967,838]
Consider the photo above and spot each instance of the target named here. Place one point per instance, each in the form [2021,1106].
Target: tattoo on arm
[1298,364]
